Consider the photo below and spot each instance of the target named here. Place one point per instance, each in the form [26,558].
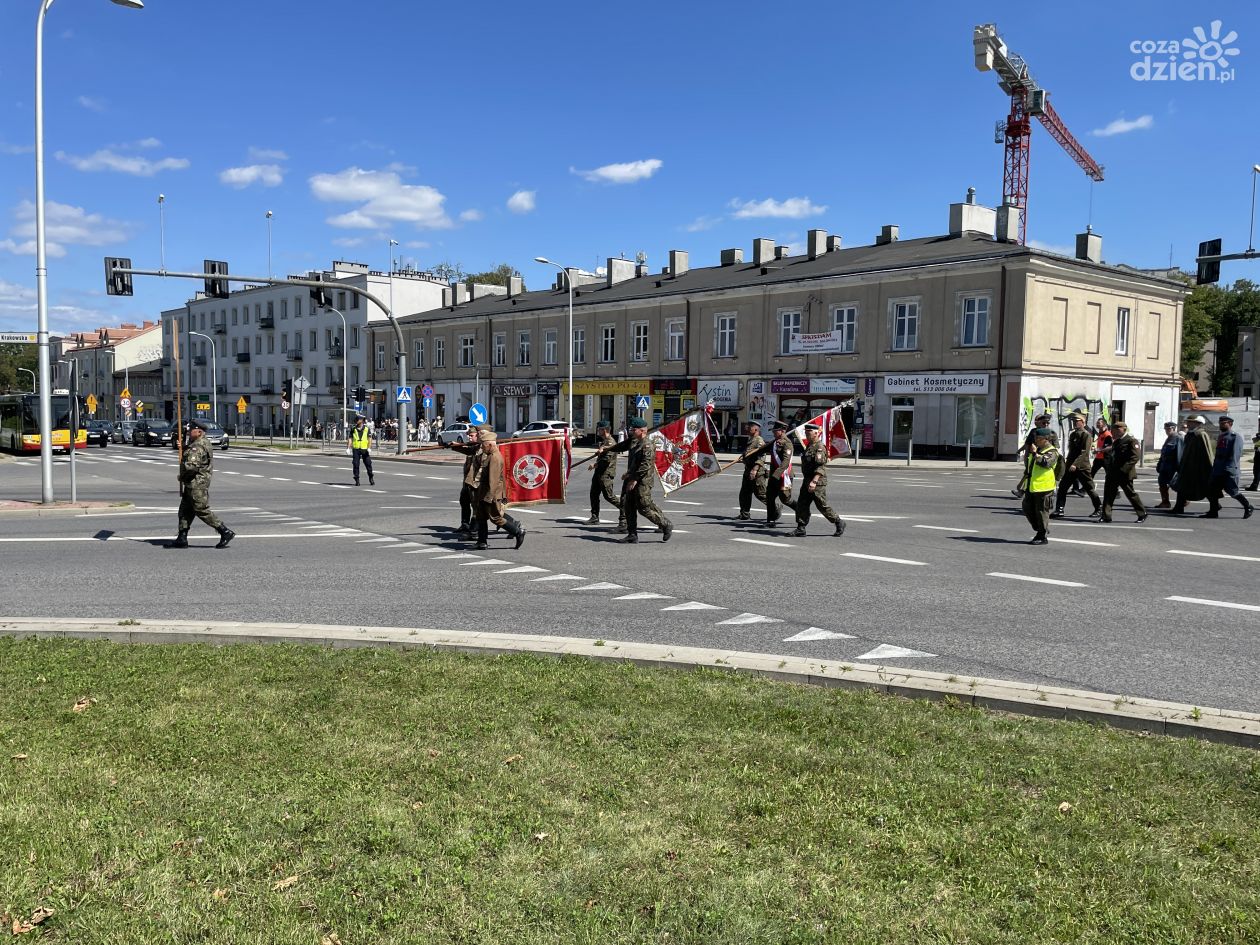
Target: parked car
[215,435]
[98,432]
[152,433]
[543,428]
[455,433]
[122,431]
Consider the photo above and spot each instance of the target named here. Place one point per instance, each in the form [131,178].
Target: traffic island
[62,508]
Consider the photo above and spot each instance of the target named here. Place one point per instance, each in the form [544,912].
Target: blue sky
[495,133]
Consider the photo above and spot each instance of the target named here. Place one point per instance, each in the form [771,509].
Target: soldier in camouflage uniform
[194,474]
[636,491]
[603,469]
[814,483]
[778,482]
[754,481]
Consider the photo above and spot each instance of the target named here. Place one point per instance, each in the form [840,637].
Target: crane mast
[1028,101]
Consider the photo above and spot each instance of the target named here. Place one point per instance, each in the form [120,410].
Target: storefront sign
[869,383]
[661,385]
[936,383]
[512,390]
[548,388]
[723,394]
[832,385]
[789,385]
[823,342]
[609,387]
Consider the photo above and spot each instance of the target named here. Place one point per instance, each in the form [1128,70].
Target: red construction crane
[1027,99]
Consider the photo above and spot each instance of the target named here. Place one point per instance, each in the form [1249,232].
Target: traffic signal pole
[117,282]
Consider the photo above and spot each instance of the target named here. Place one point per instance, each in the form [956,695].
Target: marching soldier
[361,449]
[1121,466]
[471,453]
[603,468]
[195,470]
[754,481]
[1040,468]
[490,491]
[636,490]
[814,483]
[1226,471]
[1078,476]
[779,481]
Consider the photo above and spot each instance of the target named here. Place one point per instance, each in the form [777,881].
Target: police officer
[491,491]
[603,469]
[814,483]
[1226,471]
[1079,454]
[754,481]
[1040,464]
[195,470]
[471,452]
[1121,466]
[360,449]
[1040,422]
[636,490]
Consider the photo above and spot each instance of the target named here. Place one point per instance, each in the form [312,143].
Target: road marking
[854,554]
[306,482]
[530,511]
[523,569]
[817,633]
[600,586]
[762,541]
[1208,554]
[644,595]
[229,472]
[363,541]
[279,479]
[742,619]
[1214,603]
[408,496]
[560,577]
[377,491]
[462,554]
[334,485]
[1109,526]
[947,528]
[406,544]
[919,485]
[408,475]
[886,651]
[424,551]
[1035,580]
[469,564]
[439,478]
[254,476]
[168,537]
[694,605]
[1081,541]
[683,502]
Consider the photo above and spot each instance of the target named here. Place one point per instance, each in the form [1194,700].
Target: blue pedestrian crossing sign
[643,402]
[477,414]
[404,395]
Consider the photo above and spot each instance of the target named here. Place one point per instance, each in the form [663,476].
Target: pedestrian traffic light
[286,390]
[216,288]
[1209,271]
[117,283]
[319,298]
[360,394]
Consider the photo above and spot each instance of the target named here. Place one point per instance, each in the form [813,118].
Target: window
[974,331]
[341,301]
[380,357]
[467,350]
[314,340]
[354,375]
[234,341]
[844,320]
[284,341]
[639,341]
[675,340]
[905,328]
[439,352]
[258,312]
[1122,331]
[789,325]
[297,307]
[522,347]
[328,340]
[500,349]
[271,344]
[550,344]
[354,336]
[328,375]
[258,377]
[233,318]
[297,341]
[314,375]
[271,377]
[244,314]
[969,423]
[271,310]
[419,352]
[579,345]
[257,344]
[724,335]
[284,308]
[354,300]
[608,343]
[236,380]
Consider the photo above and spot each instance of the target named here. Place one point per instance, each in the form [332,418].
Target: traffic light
[117,283]
[319,298]
[1209,272]
[216,288]
[286,390]
[360,394]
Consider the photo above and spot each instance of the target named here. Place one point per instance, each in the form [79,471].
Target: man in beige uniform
[490,491]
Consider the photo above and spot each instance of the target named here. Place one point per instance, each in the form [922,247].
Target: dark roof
[900,254]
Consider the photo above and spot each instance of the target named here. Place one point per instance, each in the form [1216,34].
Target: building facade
[122,368]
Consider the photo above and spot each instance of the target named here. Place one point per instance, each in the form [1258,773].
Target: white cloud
[702,223]
[522,201]
[385,199]
[266,154]
[1123,126]
[626,173]
[471,216]
[417,244]
[92,104]
[269,175]
[107,160]
[63,225]
[794,208]
[16,148]
[148,143]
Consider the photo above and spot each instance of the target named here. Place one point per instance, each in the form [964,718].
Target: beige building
[934,340]
[112,361]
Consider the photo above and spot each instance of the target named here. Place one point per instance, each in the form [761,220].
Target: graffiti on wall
[1060,407]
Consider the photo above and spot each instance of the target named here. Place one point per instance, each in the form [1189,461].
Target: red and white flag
[833,433]
[535,469]
[684,450]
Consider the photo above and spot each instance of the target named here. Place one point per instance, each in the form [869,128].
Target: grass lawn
[285,794]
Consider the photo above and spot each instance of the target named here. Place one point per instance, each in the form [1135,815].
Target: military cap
[1120,423]
[486,435]
[1043,431]
[780,425]
[602,424]
[1169,423]
[754,423]
[1195,419]
[1044,416]
[638,423]
[1225,419]
[197,425]
[812,428]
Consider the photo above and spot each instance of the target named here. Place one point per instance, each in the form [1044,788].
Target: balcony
[293,354]
[266,321]
[218,328]
[242,357]
[199,360]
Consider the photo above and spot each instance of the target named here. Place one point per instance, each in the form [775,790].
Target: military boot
[225,535]
[593,520]
[483,532]
[799,532]
[181,540]
[839,528]
[515,530]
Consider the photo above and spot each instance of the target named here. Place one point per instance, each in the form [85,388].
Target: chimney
[970,217]
[479,290]
[619,270]
[459,293]
[732,257]
[889,234]
[1006,224]
[781,252]
[833,244]
[763,252]
[1089,246]
[640,269]
[514,286]
[816,241]
[446,297]
[678,263]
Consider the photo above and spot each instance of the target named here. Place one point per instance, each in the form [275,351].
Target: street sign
[477,414]
[91,403]
[241,405]
[403,396]
[427,391]
[358,405]
[203,406]
[139,406]
[284,404]
[869,386]
[642,402]
[428,402]
[125,402]
[126,395]
[18,338]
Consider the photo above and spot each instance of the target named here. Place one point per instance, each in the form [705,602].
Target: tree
[1200,323]
[13,357]
[449,271]
[499,275]
[1241,307]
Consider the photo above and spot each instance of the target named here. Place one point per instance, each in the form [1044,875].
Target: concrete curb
[39,511]
[1143,715]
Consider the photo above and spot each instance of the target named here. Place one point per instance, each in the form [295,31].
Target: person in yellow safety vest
[360,449]
[1042,469]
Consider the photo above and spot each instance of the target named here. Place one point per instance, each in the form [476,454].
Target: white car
[455,433]
[543,428]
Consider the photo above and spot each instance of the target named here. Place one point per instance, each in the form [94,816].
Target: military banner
[684,450]
[833,433]
[535,469]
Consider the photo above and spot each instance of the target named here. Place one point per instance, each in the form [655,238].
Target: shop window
[969,420]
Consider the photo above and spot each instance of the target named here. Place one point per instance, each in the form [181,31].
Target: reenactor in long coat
[1226,471]
[1079,455]
[195,469]
[1121,466]
[471,451]
[814,484]
[491,491]
[603,469]
[1195,471]
[636,489]
[753,482]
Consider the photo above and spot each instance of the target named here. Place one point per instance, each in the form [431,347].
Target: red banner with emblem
[684,450]
[535,469]
[833,433]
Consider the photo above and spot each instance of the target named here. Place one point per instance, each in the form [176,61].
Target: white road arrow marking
[748,618]
[817,633]
[694,605]
[886,651]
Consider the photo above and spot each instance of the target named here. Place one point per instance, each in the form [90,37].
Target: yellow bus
[19,423]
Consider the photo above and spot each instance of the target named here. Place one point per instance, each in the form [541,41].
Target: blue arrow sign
[404,395]
[477,414]
[428,402]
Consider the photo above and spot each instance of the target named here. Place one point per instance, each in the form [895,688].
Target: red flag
[833,433]
[684,451]
[534,469]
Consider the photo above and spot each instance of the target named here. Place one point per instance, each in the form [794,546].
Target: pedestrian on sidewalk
[813,492]
[1226,471]
[1195,469]
[1122,460]
[361,449]
[195,470]
[1042,466]
[1169,462]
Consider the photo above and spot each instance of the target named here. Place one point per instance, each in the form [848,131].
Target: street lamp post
[1251,236]
[268,244]
[568,278]
[34,380]
[214,374]
[345,368]
[41,261]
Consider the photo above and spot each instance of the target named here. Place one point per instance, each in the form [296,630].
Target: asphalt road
[934,571]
